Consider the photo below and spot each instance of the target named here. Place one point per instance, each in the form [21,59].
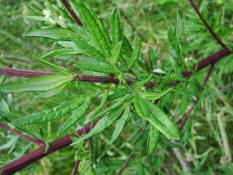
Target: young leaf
[94,26]
[152,113]
[116,52]
[153,139]
[75,116]
[115,27]
[52,66]
[121,123]
[50,114]
[40,83]
[135,54]
[102,124]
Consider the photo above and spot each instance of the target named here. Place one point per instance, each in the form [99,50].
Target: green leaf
[95,65]
[62,70]
[54,33]
[152,113]
[102,124]
[153,55]
[179,26]
[75,116]
[115,27]
[126,46]
[51,92]
[94,26]
[154,95]
[120,102]
[50,114]
[121,123]
[88,49]
[153,139]
[135,54]
[101,106]
[40,83]
[116,53]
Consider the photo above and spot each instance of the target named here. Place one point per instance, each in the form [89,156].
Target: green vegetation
[122,66]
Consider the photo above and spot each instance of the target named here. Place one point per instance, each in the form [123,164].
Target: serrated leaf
[152,113]
[75,116]
[102,124]
[94,26]
[153,139]
[135,54]
[116,53]
[54,33]
[113,107]
[88,49]
[62,70]
[121,123]
[50,114]
[40,83]
[115,27]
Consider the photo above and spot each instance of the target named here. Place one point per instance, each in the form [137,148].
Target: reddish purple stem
[36,141]
[74,16]
[76,167]
[40,152]
[207,26]
[125,165]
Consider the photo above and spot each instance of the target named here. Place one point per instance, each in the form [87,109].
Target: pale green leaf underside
[40,83]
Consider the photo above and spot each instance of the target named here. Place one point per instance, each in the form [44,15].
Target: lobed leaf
[40,83]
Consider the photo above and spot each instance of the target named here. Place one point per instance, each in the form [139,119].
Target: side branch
[212,59]
[207,26]
[76,19]
[30,158]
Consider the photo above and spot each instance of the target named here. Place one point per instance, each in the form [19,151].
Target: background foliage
[201,141]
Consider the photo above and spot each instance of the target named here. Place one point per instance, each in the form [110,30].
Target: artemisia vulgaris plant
[119,88]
